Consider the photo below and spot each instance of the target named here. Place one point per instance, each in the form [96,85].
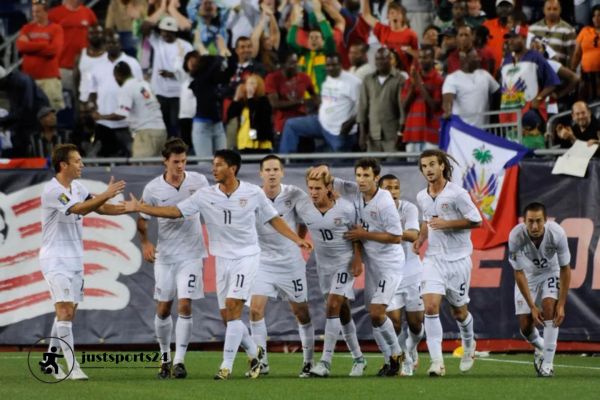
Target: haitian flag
[488,169]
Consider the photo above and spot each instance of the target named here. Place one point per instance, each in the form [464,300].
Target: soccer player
[408,295]
[338,263]
[380,232]
[64,203]
[177,257]
[282,271]
[230,209]
[539,254]
[449,214]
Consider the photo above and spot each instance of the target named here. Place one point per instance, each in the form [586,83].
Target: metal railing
[508,130]
[552,122]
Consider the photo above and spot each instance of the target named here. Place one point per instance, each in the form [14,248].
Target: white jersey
[327,230]
[552,253]
[62,232]
[231,220]
[139,105]
[409,217]
[452,203]
[277,252]
[378,215]
[178,239]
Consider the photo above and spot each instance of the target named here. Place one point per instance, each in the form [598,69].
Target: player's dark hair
[123,69]
[443,158]
[387,177]
[61,154]
[174,146]
[535,206]
[271,157]
[368,162]
[231,157]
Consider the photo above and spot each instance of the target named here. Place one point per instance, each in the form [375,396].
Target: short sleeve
[148,198]
[493,84]
[391,220]
[449,85]
[191,205]
[562,248]
[266,211]
[467,208]
[514,246]
[411,217]
[345,188]
[60,199]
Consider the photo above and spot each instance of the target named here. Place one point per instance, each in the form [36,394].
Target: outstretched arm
[93,204]
[280,226]
[359,233]
[366,13]
[134,205]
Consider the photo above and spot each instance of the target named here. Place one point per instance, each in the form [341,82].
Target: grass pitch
[496,377]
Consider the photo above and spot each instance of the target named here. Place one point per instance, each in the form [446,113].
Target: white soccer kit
[61,253]
[282,271]
[232,238]
[180,245]
[384,261]
[447,264]
[333,253]
[541,265]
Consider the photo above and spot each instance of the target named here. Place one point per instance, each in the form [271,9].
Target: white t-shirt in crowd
[139,106]
[187,100]
[85,66]
[472,91]
[168,57]
[339,101]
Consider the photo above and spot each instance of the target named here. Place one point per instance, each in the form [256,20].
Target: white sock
[389,335]
[233,339]
[466,331]
[259,334]
[307,338]
[349,332]
[535,339]
[402,336]
[54,342]
[433,328]
[412,341]
[183,333]
[332,331]
[248,343]
[164,329]
[64,330]
[383,346]
[550,339]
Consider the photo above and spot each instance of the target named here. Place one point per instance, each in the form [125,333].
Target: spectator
[287,90]
[459,15]
[498,27]
[557,33]
[44,141]
[25,99]
[431,38]
[584,11]
[320,42]
[161,9]
[475,15]
[422,102]
[210,25]
[75,20]
[533,130]
[397,36]
[187,100]
[121,16]
[466,92]
[448,45]
[40,42]
[337,113]
[587,52]
[242,65]
[420,13]
[111,137]
[526,77]
[208,134]
[380,113]
[359,60]
[584,126]
[140,108]
[266,40]
[464,44]
[88,57]
[251,108]
[169,52]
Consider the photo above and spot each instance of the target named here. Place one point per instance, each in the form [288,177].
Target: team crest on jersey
[337,221]
[288,203]
[550,251]
[64,200]
[373,214]
[243,202]
[192,191]
[445,207]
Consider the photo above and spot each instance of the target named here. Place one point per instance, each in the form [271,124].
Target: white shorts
[448,278]
[547,288]
[384,286]
[182,279]
[235,277]
[65,286]
[407,297]
[286,285]
[336,281]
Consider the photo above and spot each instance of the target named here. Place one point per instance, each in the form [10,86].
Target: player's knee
[256,313]
[460,313]
[65,312]
[432,309]
[163,310]
[377,316]
[184,308]
[302,315]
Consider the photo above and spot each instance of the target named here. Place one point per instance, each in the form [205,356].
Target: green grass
[497,377]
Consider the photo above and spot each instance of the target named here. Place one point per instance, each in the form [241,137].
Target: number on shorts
[381,284]
[463,289]
[553,283]
[298,287]
[541,263]
[227,217]
[342,277]
[239,280]
[192,281]
[326,234]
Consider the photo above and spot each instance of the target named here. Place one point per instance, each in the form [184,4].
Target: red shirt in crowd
[396,40]
[292,88]
[41,50]
[422,123]
[75,24]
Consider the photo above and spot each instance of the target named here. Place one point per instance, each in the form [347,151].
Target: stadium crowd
[295,76]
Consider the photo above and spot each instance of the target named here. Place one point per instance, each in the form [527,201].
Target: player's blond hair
[327,180]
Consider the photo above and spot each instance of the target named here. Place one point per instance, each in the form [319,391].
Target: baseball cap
[502,1]
[168,24]
[44,111]
[532,119]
